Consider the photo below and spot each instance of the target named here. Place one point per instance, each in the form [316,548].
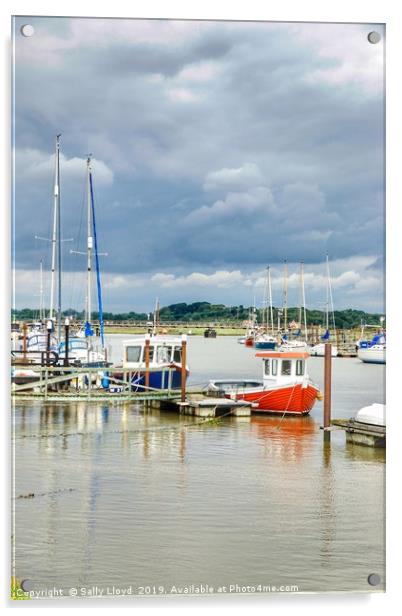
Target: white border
[286,10]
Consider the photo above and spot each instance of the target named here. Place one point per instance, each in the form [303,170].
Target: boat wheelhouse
[285,388]
[165,355]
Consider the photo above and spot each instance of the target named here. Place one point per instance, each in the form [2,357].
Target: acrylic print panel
[198,265]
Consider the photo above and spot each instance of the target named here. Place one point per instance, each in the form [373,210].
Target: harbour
[132,494]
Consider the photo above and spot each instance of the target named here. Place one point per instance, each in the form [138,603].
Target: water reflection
[152,493]
[287,439]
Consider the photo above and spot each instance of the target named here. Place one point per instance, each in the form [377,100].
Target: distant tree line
[205,312]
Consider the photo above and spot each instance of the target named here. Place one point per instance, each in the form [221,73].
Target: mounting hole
[374,37]
[27,30]
[374,579]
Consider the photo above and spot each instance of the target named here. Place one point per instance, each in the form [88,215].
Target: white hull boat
[372,355]
[318,350]
[373,415]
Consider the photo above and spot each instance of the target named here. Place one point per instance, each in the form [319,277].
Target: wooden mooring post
[183,367]
[24,342]
[146,355]
[327,391]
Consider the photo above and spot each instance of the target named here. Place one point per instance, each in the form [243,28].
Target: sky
[218,148]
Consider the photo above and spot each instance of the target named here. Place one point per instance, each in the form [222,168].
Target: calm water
[128,497]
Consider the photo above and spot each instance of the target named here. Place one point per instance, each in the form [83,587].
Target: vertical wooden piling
[183,367]
[24,342]
[66,341]
[146,357]
[327,390]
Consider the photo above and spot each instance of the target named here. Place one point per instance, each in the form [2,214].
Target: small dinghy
[373,415]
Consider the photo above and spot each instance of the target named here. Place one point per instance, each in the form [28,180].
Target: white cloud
[37,165]
[258,200]
[351,58]
[246,176]
[220,279]
[200,72]
[181,95]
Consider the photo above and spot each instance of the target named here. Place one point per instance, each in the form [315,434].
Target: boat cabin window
[267,367]
[78,344]
[299,367]
[274,367]
[177,355]
[133,353]
[286,367]
[163,354]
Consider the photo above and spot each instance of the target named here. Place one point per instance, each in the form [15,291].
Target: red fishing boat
[286,386]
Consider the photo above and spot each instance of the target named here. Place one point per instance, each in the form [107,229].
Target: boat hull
[264,344]
[372,356]
[158,379]
[292,399]
[319,350]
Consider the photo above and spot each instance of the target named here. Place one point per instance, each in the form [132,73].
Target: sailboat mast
[156,316]
[285,295]
[271,312]
[331,301]
[89,242]
[55,227]
[41,313]
[327,301]
[57,191]
[303,300]
[301,293]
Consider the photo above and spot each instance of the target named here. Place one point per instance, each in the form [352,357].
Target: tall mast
[303,300]
[41,312]
[89,242]
[57,190]
[285,295]
[93,243]
[331,301]
[156,316]
[327,300]
[271,312]
[301,293]
[55,226]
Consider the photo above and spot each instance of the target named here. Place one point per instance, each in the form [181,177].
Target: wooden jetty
[72,383]
[361,433]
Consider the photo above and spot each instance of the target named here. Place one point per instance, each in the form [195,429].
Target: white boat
[292,345]
[318,350]
[374,351]
[373,415]
[81,353]
[373,354]
[164,361]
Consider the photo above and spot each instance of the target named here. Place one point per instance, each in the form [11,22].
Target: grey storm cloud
[217,144]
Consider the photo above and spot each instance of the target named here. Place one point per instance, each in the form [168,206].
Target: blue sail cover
[88,329]
[326,335]
[379,339]
[98,280]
